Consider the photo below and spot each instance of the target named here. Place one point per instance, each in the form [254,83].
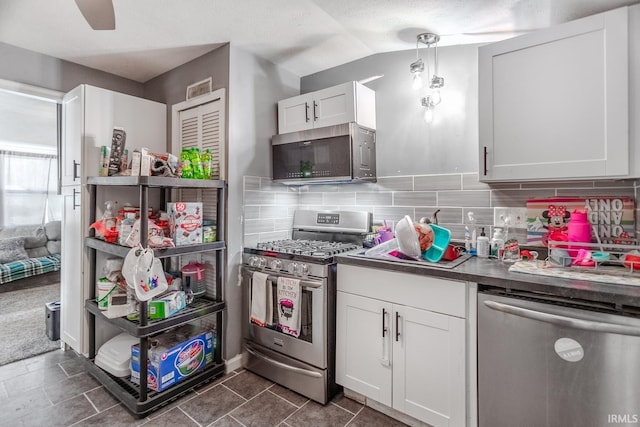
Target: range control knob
[253,261]
[262,263]
[293,268]
[303,269]
[275,265]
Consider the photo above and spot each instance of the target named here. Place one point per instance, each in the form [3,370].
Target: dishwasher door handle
[570,322]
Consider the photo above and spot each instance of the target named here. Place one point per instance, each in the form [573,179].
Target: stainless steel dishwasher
[548,361]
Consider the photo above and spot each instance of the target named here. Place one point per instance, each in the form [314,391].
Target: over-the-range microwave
[340,153]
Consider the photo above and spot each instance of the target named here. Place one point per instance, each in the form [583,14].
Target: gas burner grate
[314,248]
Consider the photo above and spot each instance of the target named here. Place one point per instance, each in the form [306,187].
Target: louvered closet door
[203,127]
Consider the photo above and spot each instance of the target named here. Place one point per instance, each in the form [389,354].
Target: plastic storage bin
[441,239]
[52,320]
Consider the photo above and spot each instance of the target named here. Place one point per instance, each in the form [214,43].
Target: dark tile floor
[53,389]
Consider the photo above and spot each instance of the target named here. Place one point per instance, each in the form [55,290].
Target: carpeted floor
[23,322]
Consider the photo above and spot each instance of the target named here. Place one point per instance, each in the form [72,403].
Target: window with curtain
[28,188]
[28,159]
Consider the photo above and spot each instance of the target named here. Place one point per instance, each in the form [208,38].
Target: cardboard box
[135,163]
[185,222]
[167,305]
[145,165]
[173,356]
[118,140]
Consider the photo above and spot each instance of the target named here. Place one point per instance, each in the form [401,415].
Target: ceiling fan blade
[98,13]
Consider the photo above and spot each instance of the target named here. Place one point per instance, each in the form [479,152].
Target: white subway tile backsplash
[348,199]
[414,198]
[470,182]
[474,198]
[445,215]
[274,212]
[392,214]
[395,183]
[360,187]
[283,224]
[311,198]
[375,199]
[259,198]
[286,198]
[251,183]
[251,212]
[259,226]
[437,182]
[482,216]
[269,207]
[518,198]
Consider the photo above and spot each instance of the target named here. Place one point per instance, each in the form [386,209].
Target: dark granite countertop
[491,272]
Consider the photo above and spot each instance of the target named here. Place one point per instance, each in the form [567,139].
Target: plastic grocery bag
[143,272]
[130,261]
[149,277]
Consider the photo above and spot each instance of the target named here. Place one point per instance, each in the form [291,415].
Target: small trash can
[52,320]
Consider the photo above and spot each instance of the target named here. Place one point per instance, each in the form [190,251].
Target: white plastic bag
[149,277]
[130,261]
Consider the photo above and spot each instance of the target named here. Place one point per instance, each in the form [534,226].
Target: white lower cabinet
[394,347]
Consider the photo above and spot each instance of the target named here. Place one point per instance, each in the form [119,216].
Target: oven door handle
[571,322]
[274,279]
[284,365]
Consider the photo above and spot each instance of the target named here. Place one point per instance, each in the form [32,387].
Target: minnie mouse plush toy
[557,217]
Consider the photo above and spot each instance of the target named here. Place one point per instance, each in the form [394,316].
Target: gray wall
[171,87]
[32,68]
[255,86]
[449,144]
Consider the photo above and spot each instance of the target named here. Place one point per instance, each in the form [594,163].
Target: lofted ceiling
[303,36]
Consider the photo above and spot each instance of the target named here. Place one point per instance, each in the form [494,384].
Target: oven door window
[320,158]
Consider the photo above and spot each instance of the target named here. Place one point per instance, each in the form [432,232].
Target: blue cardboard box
[173,356]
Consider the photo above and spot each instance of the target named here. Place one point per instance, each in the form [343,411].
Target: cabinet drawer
[428,293]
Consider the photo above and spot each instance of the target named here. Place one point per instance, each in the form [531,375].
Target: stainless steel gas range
[306,363]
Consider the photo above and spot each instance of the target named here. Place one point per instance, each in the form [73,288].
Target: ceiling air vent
[200,88]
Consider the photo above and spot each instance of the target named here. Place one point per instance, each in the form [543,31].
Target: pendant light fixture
[417,67]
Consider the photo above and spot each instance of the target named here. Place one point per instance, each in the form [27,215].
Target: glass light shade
[428,115]
[435,97]
[417,81]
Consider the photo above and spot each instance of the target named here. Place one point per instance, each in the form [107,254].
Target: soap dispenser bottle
[496,247]
[483,245]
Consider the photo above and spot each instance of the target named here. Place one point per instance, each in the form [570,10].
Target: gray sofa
[29,250]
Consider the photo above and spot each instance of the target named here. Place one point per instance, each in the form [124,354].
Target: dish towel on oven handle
[289,305]
[261,299]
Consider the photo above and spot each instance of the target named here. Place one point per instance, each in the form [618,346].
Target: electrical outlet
[510,217]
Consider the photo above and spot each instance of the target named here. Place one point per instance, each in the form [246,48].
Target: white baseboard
[234,363]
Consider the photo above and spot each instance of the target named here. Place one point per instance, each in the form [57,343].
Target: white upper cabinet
[344,103]
[554,104]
